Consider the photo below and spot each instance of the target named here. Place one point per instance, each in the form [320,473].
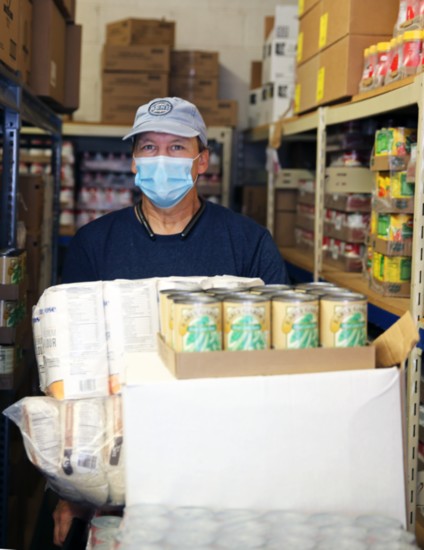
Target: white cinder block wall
[234,28]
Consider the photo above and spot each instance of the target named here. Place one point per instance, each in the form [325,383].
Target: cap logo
[160,108]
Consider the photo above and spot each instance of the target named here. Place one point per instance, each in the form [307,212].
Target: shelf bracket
[319,191]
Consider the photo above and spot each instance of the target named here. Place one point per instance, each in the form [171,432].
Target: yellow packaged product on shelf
[395,227]
[394,141]
[394,185]
[391,269]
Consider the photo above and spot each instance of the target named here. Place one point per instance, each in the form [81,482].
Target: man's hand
[63,515]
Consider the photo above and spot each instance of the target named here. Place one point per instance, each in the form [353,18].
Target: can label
[11,269]
[343,324]
[7,359]
[294,325]
[197,327]
[246,326]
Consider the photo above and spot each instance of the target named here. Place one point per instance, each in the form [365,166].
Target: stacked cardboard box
[195,77]
[51,65]
[332,37]
[272,92]
[35,210]
[136,64]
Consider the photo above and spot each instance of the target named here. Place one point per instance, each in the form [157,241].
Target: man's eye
[177,147]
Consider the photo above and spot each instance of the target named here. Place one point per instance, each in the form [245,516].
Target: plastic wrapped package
[73,339]
[76,444]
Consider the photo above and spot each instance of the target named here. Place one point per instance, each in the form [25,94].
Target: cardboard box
[284,228]
[219,112]
[286,200]
[279,60]
[253,108]
[399,290]
[308,39]
[195,63]
[223,364]
[388,205]
[255,74]
[306,197]
[304,222]
[136,58]
[254,202]
[289,178]
[72,67]
[48,52]
[193,88]
[306,85]
[341,17]
[247,442]
[392,248]
[286,22]
[67,7]
[347,234]
[305,5]
[141,32]
[134,85]
[348,202]
[9,34]
[353,179]
[341,66]
[279,101]
[121,110]
[389,163]
[31,201]
[343,263]
[25,40]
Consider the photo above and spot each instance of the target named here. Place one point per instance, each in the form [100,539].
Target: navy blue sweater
[117,246]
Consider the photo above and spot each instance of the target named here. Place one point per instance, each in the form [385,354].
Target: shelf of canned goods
[18,108]
[406,98]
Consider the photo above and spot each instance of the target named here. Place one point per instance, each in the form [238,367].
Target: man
[172,231]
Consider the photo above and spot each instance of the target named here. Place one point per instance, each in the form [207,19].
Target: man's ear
[203,161]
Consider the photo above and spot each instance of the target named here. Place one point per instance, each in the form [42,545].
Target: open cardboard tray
[389,349]
[224,364]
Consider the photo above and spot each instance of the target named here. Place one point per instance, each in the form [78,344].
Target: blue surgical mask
[164,180]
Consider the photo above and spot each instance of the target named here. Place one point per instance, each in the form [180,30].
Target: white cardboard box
[313,442]
[278,59]
[279,100]
[286,23]
[253,109]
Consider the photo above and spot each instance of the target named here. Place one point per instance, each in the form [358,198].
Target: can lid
[383,46]
[220,290]
[294,297]
[181,286]
[177,293]
[196,299]
[344,297]
[269,289]
[245,297]
[412,35]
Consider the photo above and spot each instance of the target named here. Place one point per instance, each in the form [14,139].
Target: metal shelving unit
[383,311]
[19,108]
[222,135]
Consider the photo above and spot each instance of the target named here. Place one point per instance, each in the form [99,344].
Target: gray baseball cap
[170,115]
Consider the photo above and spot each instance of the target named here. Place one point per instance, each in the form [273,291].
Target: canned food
[269,289]
[11,313]
[165,310]
[246,322]
[294,321]
[343,320]
[12,266]
[197,323]
[7,359]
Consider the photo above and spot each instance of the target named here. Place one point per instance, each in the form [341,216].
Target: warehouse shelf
[21,112]
[407,97]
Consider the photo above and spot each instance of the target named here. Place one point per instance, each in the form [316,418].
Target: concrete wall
[234,28]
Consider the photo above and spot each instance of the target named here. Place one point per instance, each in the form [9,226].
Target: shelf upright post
[416,308]
[56,171]
[270,195]
[9,186]
[319,191]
